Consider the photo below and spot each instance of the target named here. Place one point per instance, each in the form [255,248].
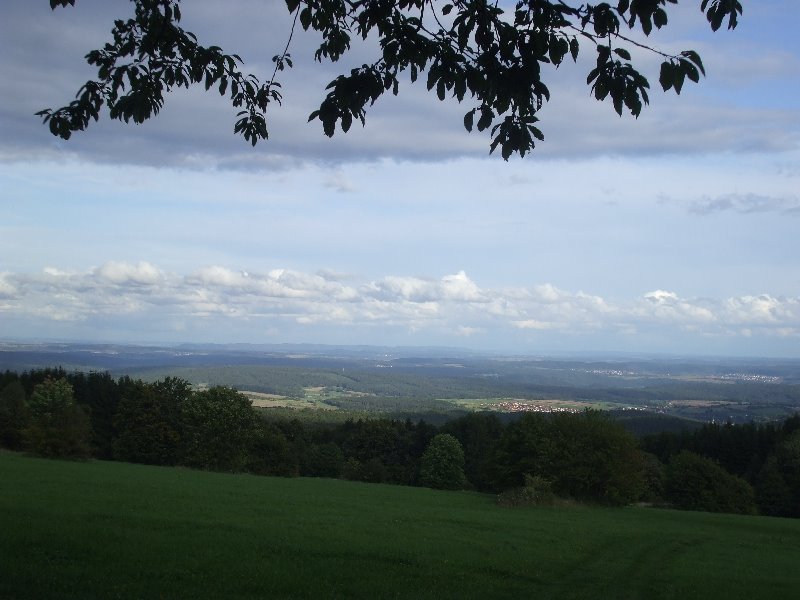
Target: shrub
[537,491]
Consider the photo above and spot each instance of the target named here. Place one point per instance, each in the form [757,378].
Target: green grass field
[113,530]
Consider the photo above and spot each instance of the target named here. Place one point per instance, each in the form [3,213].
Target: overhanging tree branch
[467,48]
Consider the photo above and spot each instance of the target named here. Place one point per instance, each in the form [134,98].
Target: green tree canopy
[773,496]
[788,455]
[442,464]
[144,433]
[491,55]
[219,429]
[695,482]
[478,433]
[58,426]
[586,456]
[13,415]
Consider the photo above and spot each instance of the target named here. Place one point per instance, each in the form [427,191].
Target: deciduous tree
[586,456]
[442,465]
[58,426]
[493,56]
[219,428]
[695,482]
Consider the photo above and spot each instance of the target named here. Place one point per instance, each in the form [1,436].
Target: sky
[673,233]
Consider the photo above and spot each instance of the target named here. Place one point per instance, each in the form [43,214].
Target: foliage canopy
[219,428]
[695,482]
[58,427]
[586,456]
[442,464]
[478,51]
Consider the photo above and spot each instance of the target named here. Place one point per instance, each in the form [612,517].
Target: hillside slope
[113,530]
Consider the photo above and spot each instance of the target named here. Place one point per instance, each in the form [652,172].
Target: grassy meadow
[114,530]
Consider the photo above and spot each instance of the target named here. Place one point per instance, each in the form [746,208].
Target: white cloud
[238,286]
[465,331]
[547,293]
[762,309]
[6,287]
[746,204]
[661,296]
[534,324]
[453,305]
[122,273]
[407,288]
[669,307]
[332,275]
[220,276]
[339,182]
[450,288]
[459,287]
[53,272]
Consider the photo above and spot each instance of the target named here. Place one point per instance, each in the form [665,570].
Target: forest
[534,458]
[437,384]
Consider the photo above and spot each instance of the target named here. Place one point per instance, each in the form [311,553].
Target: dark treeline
[766,455]
[587,457]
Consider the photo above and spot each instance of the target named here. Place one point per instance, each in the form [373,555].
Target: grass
[261,400]
[113,530]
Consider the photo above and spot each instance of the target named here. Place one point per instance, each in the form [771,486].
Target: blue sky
[676,232]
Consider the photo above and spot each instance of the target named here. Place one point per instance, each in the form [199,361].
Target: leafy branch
[467,48]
